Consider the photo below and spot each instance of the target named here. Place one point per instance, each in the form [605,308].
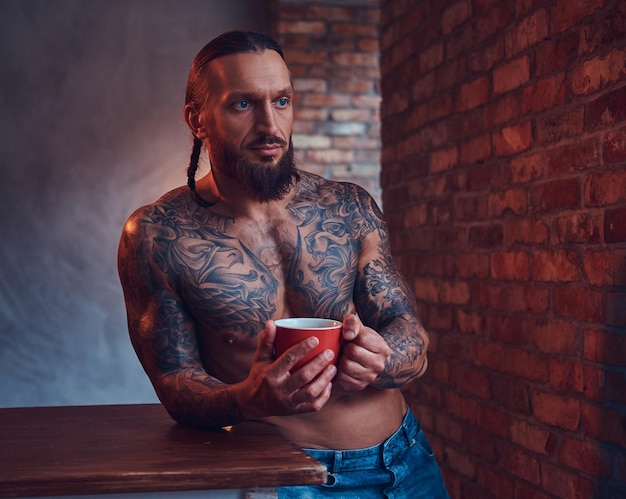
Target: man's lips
[267,149]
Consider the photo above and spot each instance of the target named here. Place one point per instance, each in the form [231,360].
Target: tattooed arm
[386,311]
[164,336]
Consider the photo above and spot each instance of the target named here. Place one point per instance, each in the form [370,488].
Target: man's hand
[364,355]
[271,390]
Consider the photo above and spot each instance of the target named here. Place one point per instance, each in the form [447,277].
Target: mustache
[266,140]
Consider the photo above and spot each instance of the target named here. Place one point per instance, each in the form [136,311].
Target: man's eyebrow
[241,94]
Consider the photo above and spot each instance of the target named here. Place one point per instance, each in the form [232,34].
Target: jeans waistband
[370,457]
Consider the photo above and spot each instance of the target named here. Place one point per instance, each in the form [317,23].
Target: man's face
[248,119]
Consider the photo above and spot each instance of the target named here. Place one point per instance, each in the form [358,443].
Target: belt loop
[338,457]
[407,436]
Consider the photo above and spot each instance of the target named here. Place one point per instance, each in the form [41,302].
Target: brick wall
[504,186]
[332,50]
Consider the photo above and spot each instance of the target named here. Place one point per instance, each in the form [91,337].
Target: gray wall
[90,129]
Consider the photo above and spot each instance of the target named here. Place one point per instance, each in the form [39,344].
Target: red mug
[294,330]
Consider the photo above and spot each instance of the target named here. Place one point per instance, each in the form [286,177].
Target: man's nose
[266,120]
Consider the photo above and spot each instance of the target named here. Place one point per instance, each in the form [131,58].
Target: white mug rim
[307,323]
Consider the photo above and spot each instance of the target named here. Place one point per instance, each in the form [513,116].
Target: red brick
[495,482]
[525,168]
[487,56]
[566,484]
[583,304]
[522,491]
[473,94]
[353,29]
[505,328]
[511,201]
[431,57]
[510,360]
[450,428]
[485,176]
[513,139]
[545,94]
[614,146]
[577,227]
[511,75]
[510,265]
[482,443]
[569,376]
[606,425]
[326,100]
[557,54]
[441,371]
[566,13]
[598,73]
[462,407]
[505,109]
[561,124]
[528,32]
[606,188]
[473,381]
[457,43]
[423,88]
[556,266]
[472,265]
[455,15]
[511,393]
[472,323]
[461,462]
[450,74]
[573,158]
[494,20]
[466,125]
[533,437]
[556,410]
[305,57]
[608,348]
[302,27]
[454,292]
[525,231]
[325,12]
[616,309]
[556,195]
[584,455]
[520,463]
[554,336]
[355,59]
[494,420]
[615,225]
[606,111]
[440,106]
[444,159]
[512,299]
[485,236]
[616,387]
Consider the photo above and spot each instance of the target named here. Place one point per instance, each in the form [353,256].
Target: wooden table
[52,451]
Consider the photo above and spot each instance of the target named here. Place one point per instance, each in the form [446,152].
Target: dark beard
[262,183]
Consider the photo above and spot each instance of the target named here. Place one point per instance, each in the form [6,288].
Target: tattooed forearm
[388,306]
[408,353]
[201,401]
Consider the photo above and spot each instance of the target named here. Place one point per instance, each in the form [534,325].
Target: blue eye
[244,104]
[283,102]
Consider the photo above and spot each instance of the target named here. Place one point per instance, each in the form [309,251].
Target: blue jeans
[401,467]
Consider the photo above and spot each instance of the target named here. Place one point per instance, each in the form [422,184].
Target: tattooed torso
[233,276]
[200,286]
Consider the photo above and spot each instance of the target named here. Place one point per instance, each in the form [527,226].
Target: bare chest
[232,281]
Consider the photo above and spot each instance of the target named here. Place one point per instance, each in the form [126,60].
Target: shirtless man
[208,267]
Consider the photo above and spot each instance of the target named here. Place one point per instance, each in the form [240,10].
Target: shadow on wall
[91,128]
[606,422]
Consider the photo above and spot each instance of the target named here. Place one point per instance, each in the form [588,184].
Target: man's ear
[194,122]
